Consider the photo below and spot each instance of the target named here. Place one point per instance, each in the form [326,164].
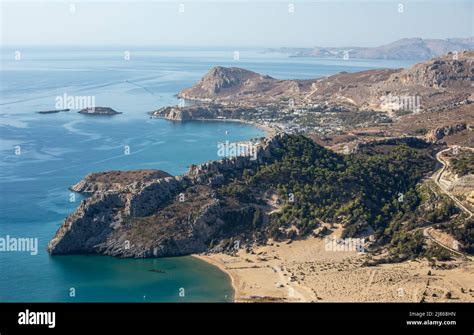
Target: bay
[58,150]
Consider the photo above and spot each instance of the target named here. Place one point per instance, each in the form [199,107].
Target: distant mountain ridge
[404,49]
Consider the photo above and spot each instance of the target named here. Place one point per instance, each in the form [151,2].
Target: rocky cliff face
[440,132]
[166,216]
[451,70]
[89,225]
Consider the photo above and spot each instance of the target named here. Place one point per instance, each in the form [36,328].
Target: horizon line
[150,45]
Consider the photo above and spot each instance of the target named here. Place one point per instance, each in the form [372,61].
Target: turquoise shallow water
[58,150]
[35,200]
[108,279]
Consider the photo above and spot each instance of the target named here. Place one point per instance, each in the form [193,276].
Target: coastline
[237,280]
[221,266]
[269,129]
[305,271]
[256,283]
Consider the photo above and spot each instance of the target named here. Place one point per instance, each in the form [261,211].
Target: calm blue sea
[58,150]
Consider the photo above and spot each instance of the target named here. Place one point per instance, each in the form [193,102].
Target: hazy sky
[231,23]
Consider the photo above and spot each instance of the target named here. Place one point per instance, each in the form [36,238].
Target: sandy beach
[269,129]
[304,271]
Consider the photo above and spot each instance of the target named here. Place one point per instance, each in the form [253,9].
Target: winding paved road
[437,176]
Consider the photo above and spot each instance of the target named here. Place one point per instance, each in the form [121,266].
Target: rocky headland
[115,180]
[144,218]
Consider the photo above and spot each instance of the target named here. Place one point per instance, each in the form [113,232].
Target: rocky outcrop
[222,81]
[451,70]
[166,216]
[163,236]
[105,211]
[89,225]
[231,86]
[115,180]
[145,199]
[440,132]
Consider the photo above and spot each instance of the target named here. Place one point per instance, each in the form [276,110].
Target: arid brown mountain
[225,81]
[436,83]
[404,49]
[345,109]
[235,84]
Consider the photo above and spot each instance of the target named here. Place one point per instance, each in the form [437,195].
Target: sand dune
[303,271]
